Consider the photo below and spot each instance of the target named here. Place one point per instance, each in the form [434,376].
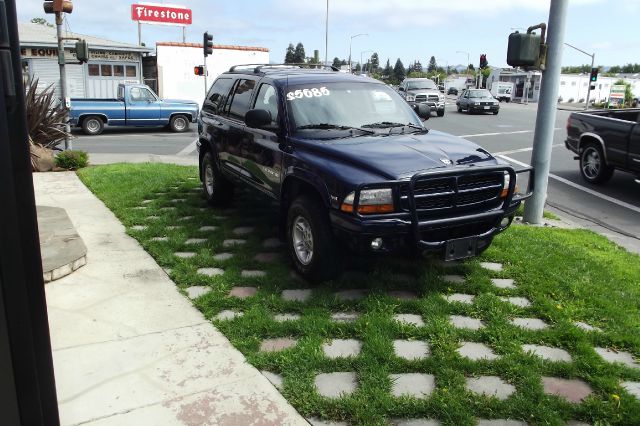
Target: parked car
[351,167]
[605,140]
[136,105]
[452,91]
[423,96]
[477,100]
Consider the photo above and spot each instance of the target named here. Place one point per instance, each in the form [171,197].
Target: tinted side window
[241,98]
[268,100]
[218,95]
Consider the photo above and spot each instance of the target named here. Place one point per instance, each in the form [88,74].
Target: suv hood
[401,156]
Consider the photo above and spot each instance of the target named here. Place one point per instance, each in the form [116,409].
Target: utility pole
[468,63]
[326,36]
[593,56]
[545,122]
[63,79]
[350,43]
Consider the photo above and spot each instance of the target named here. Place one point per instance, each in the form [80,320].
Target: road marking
[188,149]
[515,151]
[501,133]
[579,187]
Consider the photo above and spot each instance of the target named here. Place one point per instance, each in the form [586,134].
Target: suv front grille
[437,197]
[433,98]
[421,98]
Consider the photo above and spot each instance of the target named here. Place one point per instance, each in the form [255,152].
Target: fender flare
[598,138]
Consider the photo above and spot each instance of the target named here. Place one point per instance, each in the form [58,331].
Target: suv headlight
[476,103]
[410,98]
[505,188]
[372,201]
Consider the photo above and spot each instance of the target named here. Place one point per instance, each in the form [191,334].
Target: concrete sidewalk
[128,349]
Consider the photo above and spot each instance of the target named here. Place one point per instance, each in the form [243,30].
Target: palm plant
[45,116]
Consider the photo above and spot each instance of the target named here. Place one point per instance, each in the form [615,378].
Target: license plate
[461,248]
[486,107]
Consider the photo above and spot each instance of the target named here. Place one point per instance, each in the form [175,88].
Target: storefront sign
[617,91]
[48,52]
[161,14]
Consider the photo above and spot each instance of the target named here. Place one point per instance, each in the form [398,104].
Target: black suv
[350,165]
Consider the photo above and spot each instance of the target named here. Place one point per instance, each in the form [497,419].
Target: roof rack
[256,68]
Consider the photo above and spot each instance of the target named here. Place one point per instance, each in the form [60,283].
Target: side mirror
[256,118]
[400,89]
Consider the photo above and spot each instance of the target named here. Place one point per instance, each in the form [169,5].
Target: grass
[568,275]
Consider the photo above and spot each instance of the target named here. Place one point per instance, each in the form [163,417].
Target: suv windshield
[479,94]
[421,84]
[348,105]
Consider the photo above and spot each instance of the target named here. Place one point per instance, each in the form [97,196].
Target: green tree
[615,69]
[358,67]
[41,21]
[298,55]
[336,62]
[289,57]
[344,62]
[387,69]
[375,62]
[433,66]
[398,71]
[417,67]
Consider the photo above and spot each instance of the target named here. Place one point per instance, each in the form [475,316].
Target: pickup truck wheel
[459,108]
[441,113]
[92,125]
[217,190]
[593,167]
[310,240]
[179,123]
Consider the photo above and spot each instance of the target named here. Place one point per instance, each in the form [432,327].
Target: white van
[502,91]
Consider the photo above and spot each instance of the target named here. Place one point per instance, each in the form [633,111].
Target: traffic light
[594,75]
[82,51]
[54,6]
[207,44]
[198,70]
[483,61]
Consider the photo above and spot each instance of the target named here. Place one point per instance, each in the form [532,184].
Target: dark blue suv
[351,166]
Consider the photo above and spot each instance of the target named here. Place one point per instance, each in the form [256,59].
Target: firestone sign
[161,14]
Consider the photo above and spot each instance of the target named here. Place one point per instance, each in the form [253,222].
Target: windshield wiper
[390,125]
[328,126]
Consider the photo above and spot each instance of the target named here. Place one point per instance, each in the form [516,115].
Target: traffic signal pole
[63,80]
[593,56]
[545,121]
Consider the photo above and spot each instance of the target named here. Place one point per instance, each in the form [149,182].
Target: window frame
[207,106]
[274,120]
[230,100]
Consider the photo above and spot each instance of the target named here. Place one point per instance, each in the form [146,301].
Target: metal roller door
[48,72]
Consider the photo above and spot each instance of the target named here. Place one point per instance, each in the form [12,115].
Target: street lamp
[350,43]
[462,51]
[364,51]
[593,56]
[326,36]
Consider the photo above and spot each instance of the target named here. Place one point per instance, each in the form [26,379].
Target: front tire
[459,108]
[92,125]
[441,113]
[310,242]
[495,112]
[217,190]
[593,166]
[179,123]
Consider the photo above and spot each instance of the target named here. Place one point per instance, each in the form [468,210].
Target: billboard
[149,13]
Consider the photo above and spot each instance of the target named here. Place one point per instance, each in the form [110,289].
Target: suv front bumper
[407,230]
[433,106]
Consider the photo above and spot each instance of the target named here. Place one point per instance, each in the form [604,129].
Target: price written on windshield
[314,92]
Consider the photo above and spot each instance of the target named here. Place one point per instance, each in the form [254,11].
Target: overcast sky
[408,29]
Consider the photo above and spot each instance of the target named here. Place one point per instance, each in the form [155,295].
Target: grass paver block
[173,227]
[461,321]
[210,272]
[586,327]
[467,299]
[184,254]
[243,230]
[506,283]
[243,292]
[351,294]
[275,379]
[271,243]
[207,228]
[548,353]
[160,239]
[153,217]
[278,344]
[453,279]
[147,201]
[286,317]
[194,241]
[491,266]
[253,274]
[227,315]
[344,316]
[476,351]
[492,386]
[500,422]
[333,385]
[232,243]
[632,387]
[138,227]
[521,302]
[416,385]
[411,319]
[573,390]
[266,257]
[178,200]
[297,295]
[313,421]
[185,218]
[622,357]
[342,348]
[402,294]
[529,323]
[415,422]
[168,208]
[196,291]
[222,256]
[411,349]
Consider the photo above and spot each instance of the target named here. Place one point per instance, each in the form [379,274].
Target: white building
[525,83]
[176,61]
[110,63]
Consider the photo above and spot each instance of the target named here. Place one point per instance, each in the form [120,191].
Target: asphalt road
[612,208]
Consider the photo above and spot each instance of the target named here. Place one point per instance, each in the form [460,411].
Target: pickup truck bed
[604,141]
